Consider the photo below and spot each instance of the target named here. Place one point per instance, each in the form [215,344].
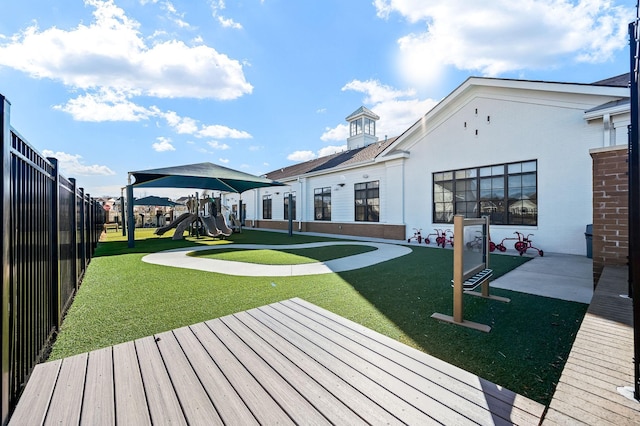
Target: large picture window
[266,206]
[293,206]
[367,201]
[507,193]
[322,203]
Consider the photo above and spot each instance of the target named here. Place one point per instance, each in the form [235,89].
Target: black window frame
[507,193]
[366,199]
[267,207]
[322,203]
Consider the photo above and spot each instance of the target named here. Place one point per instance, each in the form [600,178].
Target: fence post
[5,213]
[55,242]
[74,233]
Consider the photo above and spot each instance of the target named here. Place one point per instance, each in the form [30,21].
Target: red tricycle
[525,243]
[417,235]
[442,237]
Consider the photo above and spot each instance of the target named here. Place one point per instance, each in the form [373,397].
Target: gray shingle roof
[362,110]
[621,80]
[344,158]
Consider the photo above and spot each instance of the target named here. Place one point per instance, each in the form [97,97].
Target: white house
[515,150]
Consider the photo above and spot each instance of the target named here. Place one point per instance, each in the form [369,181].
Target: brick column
[610,207]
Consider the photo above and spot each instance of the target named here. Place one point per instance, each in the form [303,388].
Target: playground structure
[470,269]
[211,225]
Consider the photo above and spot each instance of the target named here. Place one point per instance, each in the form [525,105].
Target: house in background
[516,150]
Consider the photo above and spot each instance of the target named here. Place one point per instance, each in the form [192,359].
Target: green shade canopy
[154,201]
[200,176]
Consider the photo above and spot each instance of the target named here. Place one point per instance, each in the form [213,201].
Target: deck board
[600,361]
[68,392]
[162,405]
[98,403]
[131,403]
[286,363]
[38,393]
[464,384]
[231,408]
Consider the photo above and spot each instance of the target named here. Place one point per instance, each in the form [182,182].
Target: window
[507,193]
[355,127]
[293,206]
[367,201]
[266,206]
[322,203]
[369,126]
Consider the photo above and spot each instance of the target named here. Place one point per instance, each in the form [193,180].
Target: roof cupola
[362,128]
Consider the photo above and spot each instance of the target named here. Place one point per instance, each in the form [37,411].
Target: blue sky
[112,86]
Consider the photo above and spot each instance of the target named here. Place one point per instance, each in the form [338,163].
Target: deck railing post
[55,243]
[5,212]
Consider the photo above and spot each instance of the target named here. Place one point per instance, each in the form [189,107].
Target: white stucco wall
[522,126]
[515,122]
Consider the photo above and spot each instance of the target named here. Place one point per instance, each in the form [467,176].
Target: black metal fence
[49,229]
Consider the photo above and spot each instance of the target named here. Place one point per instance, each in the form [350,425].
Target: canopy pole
[131,223]
[290,212]
[240,213]
[123,213]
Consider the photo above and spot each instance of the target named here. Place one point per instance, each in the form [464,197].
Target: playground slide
[182,226]
[235,223]
[210,226]
[222,226]
[175,223]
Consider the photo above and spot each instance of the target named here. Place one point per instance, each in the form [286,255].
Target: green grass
[122,298]
[284,256]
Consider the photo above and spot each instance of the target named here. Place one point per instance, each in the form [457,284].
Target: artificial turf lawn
[284,256]
[123,298]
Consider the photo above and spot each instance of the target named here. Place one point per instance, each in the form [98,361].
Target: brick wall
[610,208]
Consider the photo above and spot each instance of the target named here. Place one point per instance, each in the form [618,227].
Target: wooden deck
[601,360]
[289,363]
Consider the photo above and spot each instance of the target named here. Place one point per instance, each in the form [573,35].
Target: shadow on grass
[530,339]
[526,350]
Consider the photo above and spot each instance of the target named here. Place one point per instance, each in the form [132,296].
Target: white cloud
[222,132]
[163,145]
[498,36]
[376,92]
[331,149]
[229,23]
[182,125]
[223,160]
[218,145]
[71,165]
[111,53]
[397,109]
[216,7]
[104,106]
[338,133]
[301,156]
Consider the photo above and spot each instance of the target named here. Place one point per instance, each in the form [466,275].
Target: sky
[113,86]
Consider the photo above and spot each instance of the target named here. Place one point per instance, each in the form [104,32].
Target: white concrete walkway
[180,258]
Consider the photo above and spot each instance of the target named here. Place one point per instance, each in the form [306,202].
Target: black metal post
[123,214]
[290,213]
[55,243]
[5,227]
[131,222]
[634,203]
